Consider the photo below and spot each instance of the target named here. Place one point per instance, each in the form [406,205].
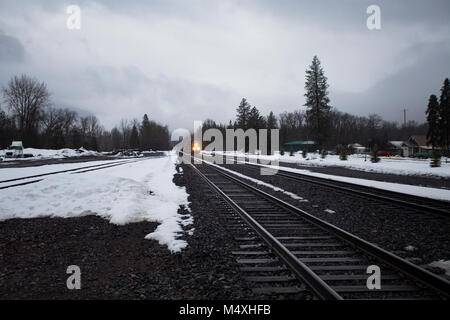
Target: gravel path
[117,262]
[394,231]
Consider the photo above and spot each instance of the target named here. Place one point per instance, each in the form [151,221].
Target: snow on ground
[442,264]
[140,191]
[433,193]
[393,165]
[52,154]
[262,183]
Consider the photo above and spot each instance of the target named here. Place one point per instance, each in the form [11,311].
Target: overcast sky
[185,60]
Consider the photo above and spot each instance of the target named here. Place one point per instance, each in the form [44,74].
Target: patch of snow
[442,264]
[389,165]
[329,211]
[410,248]
[53,153]
[119,194]
[427,192]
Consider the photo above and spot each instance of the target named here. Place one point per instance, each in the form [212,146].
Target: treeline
[344,127]
[30,117]
[330,128]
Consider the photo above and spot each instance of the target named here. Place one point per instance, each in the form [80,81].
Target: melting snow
[443,265]
[119,194]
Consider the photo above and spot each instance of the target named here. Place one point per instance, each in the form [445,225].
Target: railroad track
[314,255]
[384,197]
[26,180]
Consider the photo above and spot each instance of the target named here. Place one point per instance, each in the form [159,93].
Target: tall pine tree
[434,130]
[444,116]
[317,103]
[243,114]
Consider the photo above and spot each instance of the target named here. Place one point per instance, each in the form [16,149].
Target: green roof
[291,143]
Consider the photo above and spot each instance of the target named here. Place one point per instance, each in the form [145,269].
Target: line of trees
[321,122]
[29,116]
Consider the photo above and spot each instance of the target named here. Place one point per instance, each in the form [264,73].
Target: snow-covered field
[394,165]
[52,154]
[133,192]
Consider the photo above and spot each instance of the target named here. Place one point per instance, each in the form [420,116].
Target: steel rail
[302,272]
[351,188]
[415,272]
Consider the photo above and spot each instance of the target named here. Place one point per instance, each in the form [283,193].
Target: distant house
[418,144]
[356,148]
[412,146]
[299,146]
[398,147]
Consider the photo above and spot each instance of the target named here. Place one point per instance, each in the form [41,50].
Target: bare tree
[26,98]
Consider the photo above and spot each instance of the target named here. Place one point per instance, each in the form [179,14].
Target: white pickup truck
[15,150]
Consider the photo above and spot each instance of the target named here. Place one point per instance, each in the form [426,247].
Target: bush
[374,158]
[304,153]
[436,159]
[282,152]
[291,152]
[343,154]
[323,153]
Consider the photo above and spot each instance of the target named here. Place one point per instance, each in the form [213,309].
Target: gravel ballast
[116,262]
[418,237]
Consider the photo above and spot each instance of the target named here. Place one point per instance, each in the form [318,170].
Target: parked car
[15,150]
[383,153]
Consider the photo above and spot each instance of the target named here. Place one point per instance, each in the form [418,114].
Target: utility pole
[404,125]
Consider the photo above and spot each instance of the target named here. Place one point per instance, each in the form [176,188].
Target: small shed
[299,146]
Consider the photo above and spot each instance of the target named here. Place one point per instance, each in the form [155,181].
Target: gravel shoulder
[116,261]
[429,236]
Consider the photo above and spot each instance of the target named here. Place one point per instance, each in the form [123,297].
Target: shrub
[436,159]
[343,154]
[374,158]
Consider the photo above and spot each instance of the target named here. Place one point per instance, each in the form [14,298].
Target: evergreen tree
[436,159]
[317,103]
[271,123]
[343,153]
[434,130]
[374,158]
[134,138]
[255,120]
[444,116]
[146,133]
[305,152]
[243,114]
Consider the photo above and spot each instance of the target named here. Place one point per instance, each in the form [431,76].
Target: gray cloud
[181,61]
[11,50]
